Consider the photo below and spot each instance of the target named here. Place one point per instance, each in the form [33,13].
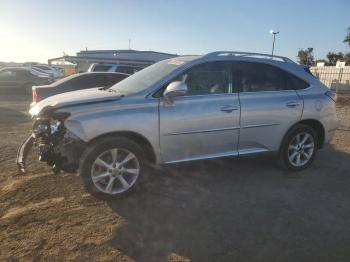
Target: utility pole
[274,38]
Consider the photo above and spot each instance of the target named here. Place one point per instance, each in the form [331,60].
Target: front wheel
[299,148]
[111,167]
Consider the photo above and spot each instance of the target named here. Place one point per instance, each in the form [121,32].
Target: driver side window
[208,78]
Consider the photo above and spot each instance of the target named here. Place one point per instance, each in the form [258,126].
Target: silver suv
[182,109]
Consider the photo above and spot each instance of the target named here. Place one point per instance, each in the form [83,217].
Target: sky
[36,30]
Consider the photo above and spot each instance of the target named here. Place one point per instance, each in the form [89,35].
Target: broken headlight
[55,126]
[40,128]
[46,127]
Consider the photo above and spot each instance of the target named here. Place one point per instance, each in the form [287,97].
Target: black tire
[284,149]
[96,149]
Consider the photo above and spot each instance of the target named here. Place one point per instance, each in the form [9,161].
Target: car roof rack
[248,54]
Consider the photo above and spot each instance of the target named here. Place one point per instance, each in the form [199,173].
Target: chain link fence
[337,79]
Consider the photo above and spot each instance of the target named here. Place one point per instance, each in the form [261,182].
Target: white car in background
[55,73]
[102,67]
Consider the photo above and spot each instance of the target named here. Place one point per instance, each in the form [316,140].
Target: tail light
[36,97]
[332,95]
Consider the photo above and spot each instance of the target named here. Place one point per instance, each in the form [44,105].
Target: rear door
[269,106]
[205,122]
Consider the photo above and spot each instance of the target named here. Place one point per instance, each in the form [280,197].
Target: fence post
[339,79]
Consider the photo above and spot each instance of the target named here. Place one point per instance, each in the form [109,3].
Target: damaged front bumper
[23,153]
[55,145]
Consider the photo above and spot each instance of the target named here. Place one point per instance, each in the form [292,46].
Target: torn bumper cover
[55,145]
[23,153]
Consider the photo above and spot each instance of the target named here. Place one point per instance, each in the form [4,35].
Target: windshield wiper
[108,89]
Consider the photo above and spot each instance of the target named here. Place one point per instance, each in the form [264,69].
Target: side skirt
[243,152]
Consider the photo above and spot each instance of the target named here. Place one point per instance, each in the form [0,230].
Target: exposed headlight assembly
[54,126]
[40,128]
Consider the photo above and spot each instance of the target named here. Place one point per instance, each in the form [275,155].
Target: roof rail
[248,54]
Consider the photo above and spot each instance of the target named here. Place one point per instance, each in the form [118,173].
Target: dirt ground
[222,210]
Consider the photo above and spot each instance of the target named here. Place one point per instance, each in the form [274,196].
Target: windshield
[146,77]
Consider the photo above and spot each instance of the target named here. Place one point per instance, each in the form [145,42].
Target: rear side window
[23,73]
[259,77]
[256,77]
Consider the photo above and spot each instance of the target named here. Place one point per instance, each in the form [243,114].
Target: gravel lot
[222,210]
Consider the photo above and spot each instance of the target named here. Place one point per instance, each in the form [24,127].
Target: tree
[334,57]
[347,58]
[347,37]
[306,56]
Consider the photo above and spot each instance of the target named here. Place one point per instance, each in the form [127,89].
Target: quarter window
[209,78]
[295,83]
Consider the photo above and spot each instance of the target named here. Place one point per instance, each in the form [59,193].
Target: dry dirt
[222,210]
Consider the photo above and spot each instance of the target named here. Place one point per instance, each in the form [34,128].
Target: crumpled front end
[55,144]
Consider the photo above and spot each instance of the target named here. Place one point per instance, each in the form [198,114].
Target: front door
[205,122]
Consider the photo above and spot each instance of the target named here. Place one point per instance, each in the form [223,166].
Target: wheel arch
[313,123]
[318,127]
[136,137]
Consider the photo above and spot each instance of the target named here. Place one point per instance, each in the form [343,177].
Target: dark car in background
[77,82]
[19,80]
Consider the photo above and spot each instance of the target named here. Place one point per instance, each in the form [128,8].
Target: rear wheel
[111,167]
[299,148]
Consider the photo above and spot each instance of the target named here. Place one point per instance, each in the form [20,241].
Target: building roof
[121,57]
[122,51]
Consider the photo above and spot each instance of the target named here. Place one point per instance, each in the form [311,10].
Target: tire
[104,149]
[291,151]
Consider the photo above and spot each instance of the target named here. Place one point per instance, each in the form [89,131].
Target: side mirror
[176,88]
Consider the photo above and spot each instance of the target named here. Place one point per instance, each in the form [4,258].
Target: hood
[93,95]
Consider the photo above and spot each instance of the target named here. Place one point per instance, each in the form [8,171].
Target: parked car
[77,82]
[55,73]
[183,109]
[99,67]
[41,73]
[19,80]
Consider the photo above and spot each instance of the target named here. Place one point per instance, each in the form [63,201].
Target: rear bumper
[329,135]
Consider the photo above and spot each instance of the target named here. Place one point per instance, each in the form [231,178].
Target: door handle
[292,104]
[229,109]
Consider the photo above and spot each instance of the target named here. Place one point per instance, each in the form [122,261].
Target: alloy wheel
[115,171]
[301,149]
